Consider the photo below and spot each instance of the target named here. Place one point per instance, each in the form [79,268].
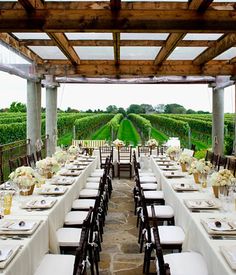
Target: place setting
[229,252]
[52,190]
[62,180]
[174,174]
[69,173]
[185,187]
[202,205]
[38,204]
[219,226]
[7,253]
[18,227]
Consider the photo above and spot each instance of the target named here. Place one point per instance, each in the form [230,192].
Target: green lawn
[159,136]
[102,133]
[128,133]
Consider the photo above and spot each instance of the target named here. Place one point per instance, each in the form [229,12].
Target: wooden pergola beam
[123,43]
[63,44]
[170,45]
[223,44]
[13,43]
[233,60]
[127,21]
[137,69]
[199,5]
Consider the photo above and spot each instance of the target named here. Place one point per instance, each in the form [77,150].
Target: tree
[174,109]
[111,109]
[17,107]
[121,111]
[190,111]
[147,108]
[135,109]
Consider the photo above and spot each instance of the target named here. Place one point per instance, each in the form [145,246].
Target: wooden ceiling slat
[223,44]
[127,21]
[170,45]
[63,44]
[116,41]
[124,43]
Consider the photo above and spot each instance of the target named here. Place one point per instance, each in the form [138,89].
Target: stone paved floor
[120,250]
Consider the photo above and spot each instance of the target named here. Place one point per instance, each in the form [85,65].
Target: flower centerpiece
[118,143]
[220,181]
[60,156]
[172,151]
[152,143]
[198,167]
[73,150]
[47,166]
[185,160]
[25,178]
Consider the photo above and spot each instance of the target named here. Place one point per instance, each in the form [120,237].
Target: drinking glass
[203,181]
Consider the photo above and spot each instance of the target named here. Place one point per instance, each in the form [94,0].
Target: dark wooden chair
[209,156]
[13,164]
[38,155]
[125,160]
[104,152]
[31,160]
[222,162]
[215,161]
[231,165]
[24,161]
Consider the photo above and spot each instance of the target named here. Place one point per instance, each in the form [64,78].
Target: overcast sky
[85,96]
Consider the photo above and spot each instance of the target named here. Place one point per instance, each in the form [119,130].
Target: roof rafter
[175,38]
[223,44]
[63,44]
[32,5]
[116,41]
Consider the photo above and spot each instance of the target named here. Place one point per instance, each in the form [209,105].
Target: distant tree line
[133,108]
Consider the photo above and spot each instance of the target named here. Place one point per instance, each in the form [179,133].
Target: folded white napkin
[224,226]
[40,203]
[5,253]
[28,225]
[63,180]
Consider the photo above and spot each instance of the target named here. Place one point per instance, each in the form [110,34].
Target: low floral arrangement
[200,166]
[118,143]
[173,150]
[152,143]
[185,159]
[60,156]
[25,176]
[48,165]
[222,178]
[73,150]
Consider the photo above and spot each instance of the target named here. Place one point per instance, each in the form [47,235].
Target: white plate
[62,180]
[12,227]
[12,250]
[202,204]
[174,174]
[52,190]
[229,253]
[169,168]
[43,203]
[184,187]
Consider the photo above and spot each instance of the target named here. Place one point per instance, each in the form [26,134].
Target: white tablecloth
[197,238]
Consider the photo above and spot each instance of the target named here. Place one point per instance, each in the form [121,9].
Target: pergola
[120,42]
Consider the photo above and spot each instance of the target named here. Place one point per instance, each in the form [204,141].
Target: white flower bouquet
[200,166]
[73,150]
[118,143]
[185,159]
[222,178]
[60,156]
[48,165]
[173,151]
[152,143]
[24,176]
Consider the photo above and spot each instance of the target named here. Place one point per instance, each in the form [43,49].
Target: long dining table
[32,248]
[197,238]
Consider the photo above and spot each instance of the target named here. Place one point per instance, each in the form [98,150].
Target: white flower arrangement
[222,178]
[73,150]
[60,156]
[185,159]
[173,150]
[118,143]
[152,142]
[200,166]
[48,164]
[24,175]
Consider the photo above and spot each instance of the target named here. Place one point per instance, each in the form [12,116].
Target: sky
[99,96]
